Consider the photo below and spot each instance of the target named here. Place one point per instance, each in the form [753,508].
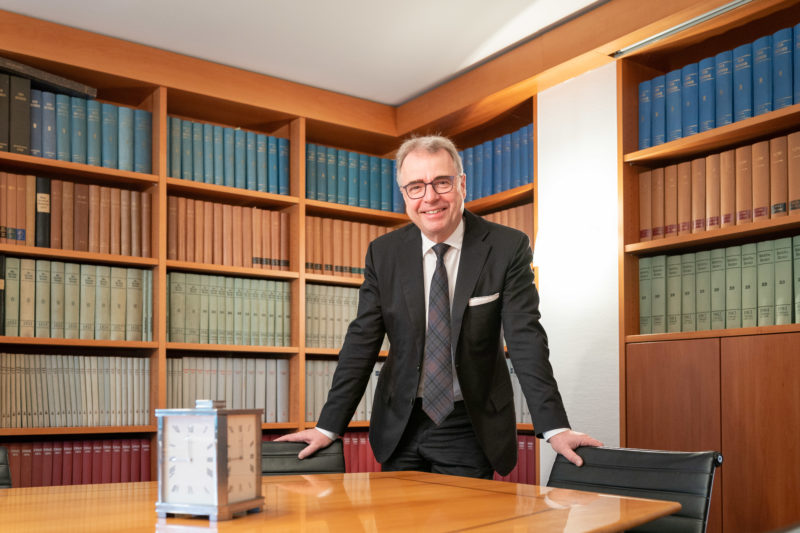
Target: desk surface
[386,501]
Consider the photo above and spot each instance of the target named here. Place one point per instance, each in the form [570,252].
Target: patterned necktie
[438,370]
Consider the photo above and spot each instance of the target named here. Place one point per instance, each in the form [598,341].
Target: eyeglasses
[440,184]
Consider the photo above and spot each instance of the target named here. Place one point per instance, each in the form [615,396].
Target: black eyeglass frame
[437,186]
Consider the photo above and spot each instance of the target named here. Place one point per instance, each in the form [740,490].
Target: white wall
[576,250]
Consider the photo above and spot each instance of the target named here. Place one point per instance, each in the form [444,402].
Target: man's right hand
[312,437]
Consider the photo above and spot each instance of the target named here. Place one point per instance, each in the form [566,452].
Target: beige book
[254,261]
[3,203]
[236,228]
[793,170]
[118,291]
[698,195]
[125,222]
[172,227]
[656,202]
[760,162]
[712,191]
[30,210]
[355,250]
[208,233]
[181,228]
[347,238]
[670,201]
[133,301]
[266,239]
[727,188]
[136,223]
[327,246]
[319,268]
[365,239]
[102,306]
[217,240]
[67,215]
[275,239]
[146,220]
[338,247]
[115,230]
[684,198]
[88,298]
[227,234]
[27,297]
[104,231]
[778,177]
[10,208]
[199,226]
[645,207]
[247,237]
[22,204]
[744,185]
[56,201]
[94,218]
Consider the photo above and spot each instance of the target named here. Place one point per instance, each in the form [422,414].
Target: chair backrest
[684,477]
[280,458]
[5,471]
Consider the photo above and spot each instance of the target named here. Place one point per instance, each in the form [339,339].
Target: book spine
[765,251]
[219,156]
[331,171]
[733,287]
[63,148]
[311,171]
[374,182]
[782,68]
[706,90]
[645,114]
[229,157]
[5,88]
[718,288]
[783,281]
[724,88]
[42,226]
[240,159]
[125,138]
[645,295]
[251,178]
[363,180]
[94,133]
[283,166]
[703,289]
[78,128]
[659,107]
[262,167]
[778,177]
[386,185]
[342,176]
[690,118]
[19,115]
[142,141]
[110,131]
[208,153]
[762,75]
[36,123]
[742,82]
[48,125]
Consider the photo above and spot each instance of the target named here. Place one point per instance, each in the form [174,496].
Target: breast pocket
[481,325]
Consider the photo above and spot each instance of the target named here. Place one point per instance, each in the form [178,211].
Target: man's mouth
[433,211]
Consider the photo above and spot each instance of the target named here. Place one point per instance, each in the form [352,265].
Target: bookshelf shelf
[358,214]
[230,195]
[69,430]
[86,343]
[66,169]
[231,348]
[516,196]
[231,270]
[279,426]
[76,256]
[714,333]
[334,280]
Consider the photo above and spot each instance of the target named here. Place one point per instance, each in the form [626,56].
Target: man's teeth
[433,212]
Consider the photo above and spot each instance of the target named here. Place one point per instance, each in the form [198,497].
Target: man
[446,289]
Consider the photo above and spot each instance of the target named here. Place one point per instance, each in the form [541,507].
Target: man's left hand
[566,441]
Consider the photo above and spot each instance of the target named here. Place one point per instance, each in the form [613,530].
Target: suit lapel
[411,280]
[474,252]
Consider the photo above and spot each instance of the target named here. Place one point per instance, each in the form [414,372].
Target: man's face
[436,215]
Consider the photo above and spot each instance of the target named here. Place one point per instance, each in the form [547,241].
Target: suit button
[418,367]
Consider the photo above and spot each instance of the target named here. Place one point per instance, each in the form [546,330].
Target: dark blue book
[497,165]
[526,150]
[690,118]
[283,166]
[516,159]
[331,166]
[476,182]
[176,146]
[674,103]
[262,169]
[311,171]
[386,184]
[363,180]
[197,152]
[110,131]
[352,178]
[374,182]
[742,82]
[645,114]
[219,156]
[706,90]
[796,63]
[342,177]
[322,173]
[251,172]
[398,205]
[724,86]
[229,157]
[48,125]
[658,123]
[468,157]
[142,141]
[208,153]
[77,127]
[488,167]
[186,150]
[94,133]
[530,147]
[506,181]
[36,123]
[125,136]
[63,148]
[169,144]
[782,68]
[762,75]
[272,165]
[239,159]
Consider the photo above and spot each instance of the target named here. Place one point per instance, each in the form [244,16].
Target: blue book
[386,184]
[374,182]
[398,205]
[674,104]
[262,169]
[352,178]
[36,123]
[690,119]
[645,114]
[506,181]
[330,171]
[497,165]
[239,158]
[796,63]
[762,75]
[142,141]
[526,152]
[469,169]
[169,144]
[363,180]
[77,127]
[197,152]
[488,166]
[251,174]
[311,171]
[208,153]
[175,147]
[229,157]
[322,173]
[342,176]
[782,68]
[219,156]
[110,130]
[706,94]
[283,166]
[724,86]
[516,159]
[742,82]
[658,123]
[530,147]
[125,138]
[48,125]
[186,149]
[272,165]
[63,149]
[94,133]
[476,182]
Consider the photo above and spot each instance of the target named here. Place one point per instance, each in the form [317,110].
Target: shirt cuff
[331,435]
[547,435]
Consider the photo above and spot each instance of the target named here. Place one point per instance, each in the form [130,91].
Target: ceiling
[387,52]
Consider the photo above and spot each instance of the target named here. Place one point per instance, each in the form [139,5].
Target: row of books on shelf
[44,298]
[519,217]
[41,390]
[525,471]
[70,128]
[78,462]
[499,164]
[54,213]
[329,311]
[212,309]
[750,80]
[223,234]
[243,382]
[754,284]
[222,155]
[319,376]
[337,247]
[751,183]
[350,178]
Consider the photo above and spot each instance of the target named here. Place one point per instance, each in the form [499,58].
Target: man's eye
[414,188]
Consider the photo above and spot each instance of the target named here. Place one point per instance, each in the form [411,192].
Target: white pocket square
[480,300]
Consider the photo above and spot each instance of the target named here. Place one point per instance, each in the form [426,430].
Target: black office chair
[280,458]
[5,471]
[684,477]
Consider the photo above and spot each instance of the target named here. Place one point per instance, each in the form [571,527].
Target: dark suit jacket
[494,260]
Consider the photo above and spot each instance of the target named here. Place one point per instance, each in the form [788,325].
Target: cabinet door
[760,421]
[673,401]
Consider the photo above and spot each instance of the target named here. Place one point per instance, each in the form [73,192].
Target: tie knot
[440,249]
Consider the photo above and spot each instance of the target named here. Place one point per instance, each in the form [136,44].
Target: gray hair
[430,144]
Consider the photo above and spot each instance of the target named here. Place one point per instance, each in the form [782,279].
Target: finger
[291,437]
[308,450]
[572,457]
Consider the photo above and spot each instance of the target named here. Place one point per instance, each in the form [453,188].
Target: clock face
[190,460]
[243,457]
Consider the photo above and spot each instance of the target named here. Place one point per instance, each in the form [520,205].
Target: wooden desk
[386,501]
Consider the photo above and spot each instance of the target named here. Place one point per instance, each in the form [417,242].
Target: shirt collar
[454,240]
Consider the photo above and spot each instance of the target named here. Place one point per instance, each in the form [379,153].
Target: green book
[88,299]
[246,305]
[133,305]
[766,282]
[204,308]
[177,304]
[796,261]
[271,304]
[230,310]
[749,285]
[702,273]
[783,281]
[118,293]
[658,304]
[718,288]
[102,306]
[57,300]
[674,294]
[192,308]
[262,312]
[12,296]
[222,315]
[733,287]
[287,314]
[72,300]
[27,298]
[238,309]
[645,289]
[42,298]
[688,309]
[213,306]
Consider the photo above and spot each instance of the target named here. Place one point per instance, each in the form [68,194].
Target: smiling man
[445,289]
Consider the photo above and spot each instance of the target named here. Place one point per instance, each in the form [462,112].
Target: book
[63,148]
[36,123]
[733,287]
[724,88]
[27,297]
[742,82]
[42,225]
[712,192]
[645,295]
[81,216]
[48,125]
[311,172]
[42,305]
[29,220]
[657,202]
[796,276]
[690,99]
[125,138]
[793,171]
[72,302]
[718,288]
[706,90]
[703,289]
[67,215]
[56,203]
[674,293]
[744,185]
[684,198]
[782,43]
[88,297]
[94,133]
[19,115]
[57,299]
[762,75]
[658,123]
[761,178]
[102,322]
[109,128]
[698,195]
[783,281]
[12,295]
[765,251]
[645,115]
[77,128]
[5,88]
[142,141]
[778,177]
[133,301]
[727,188]
[670,201]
